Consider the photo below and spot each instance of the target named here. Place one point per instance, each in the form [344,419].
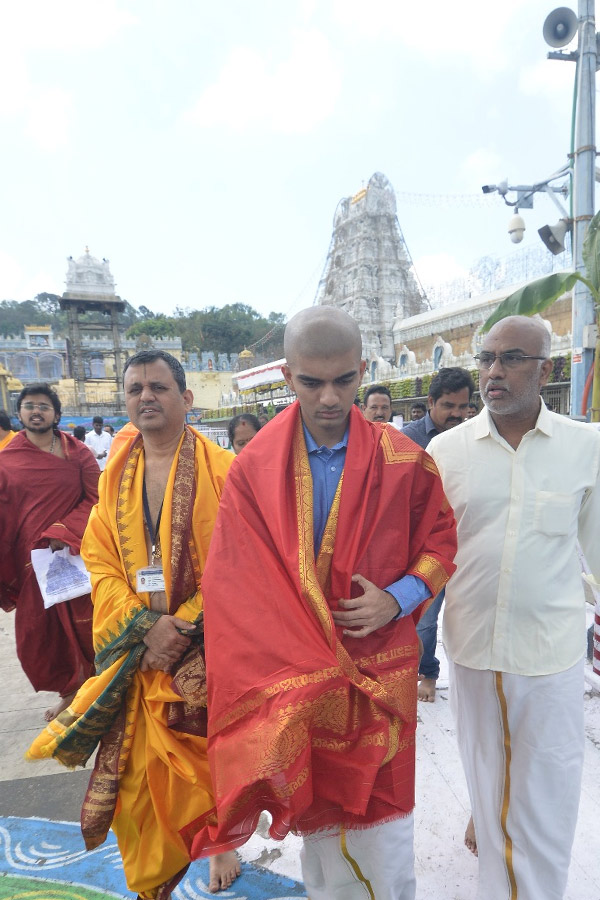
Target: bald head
[532,331]
[520,367]
[320,333]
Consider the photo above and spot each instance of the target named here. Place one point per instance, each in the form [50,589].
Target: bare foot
[56,710]
[426,691]
[224,869]
[470,839]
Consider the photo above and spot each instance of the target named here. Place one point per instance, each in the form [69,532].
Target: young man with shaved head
[524,483]
[332,536]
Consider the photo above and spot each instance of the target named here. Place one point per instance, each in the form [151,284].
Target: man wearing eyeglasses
[524,484]
[48,485]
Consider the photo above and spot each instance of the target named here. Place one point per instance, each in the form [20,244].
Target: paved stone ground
[44,860]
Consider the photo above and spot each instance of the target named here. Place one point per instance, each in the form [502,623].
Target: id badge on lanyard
[151,578]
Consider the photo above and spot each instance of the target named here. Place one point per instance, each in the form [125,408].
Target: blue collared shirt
[326,466]
[421,431]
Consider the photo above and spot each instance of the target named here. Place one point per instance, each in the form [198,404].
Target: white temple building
[368,271]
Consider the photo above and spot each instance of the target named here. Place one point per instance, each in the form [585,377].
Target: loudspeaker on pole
[560,27]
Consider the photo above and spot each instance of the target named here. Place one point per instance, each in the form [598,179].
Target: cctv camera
[516,229]
[488,188]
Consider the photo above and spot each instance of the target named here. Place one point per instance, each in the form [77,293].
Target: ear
[287,374]
[363,366]
[546,371]
[430,402]
[188,399]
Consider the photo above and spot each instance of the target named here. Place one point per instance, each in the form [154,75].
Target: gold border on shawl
[127,555]
[432,571]
[393,454]
[508,847]
[306,558]
[184,492]
[325,557]
[280,687]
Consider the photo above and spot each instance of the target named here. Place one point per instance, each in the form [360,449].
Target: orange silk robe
[7,439]
[151,776]
[316,727]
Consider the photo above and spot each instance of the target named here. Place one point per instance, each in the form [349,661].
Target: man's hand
[165,641]
[367,613]
[151,660]
[55,544]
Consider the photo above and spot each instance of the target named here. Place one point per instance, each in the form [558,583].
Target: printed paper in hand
[60,575]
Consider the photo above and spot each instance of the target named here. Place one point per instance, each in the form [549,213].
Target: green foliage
[45,310]
[225,330]
[14,316]
[536,296]
[156,327]
[590,252]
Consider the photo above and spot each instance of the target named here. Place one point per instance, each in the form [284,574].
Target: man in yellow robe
[6,432]
[145,548]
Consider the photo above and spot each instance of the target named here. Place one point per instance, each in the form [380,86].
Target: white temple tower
[367,272]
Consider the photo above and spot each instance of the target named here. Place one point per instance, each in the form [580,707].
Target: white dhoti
[521,740]
[368,864]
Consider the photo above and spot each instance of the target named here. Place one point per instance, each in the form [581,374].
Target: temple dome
[88,275]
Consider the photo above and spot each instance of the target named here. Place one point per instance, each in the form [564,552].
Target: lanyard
[152,529]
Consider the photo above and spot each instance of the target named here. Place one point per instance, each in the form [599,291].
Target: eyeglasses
[43,407]
[507,360]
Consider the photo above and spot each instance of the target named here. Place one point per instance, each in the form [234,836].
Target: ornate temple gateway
[368,270]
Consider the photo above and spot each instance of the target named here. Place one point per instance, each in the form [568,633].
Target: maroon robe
[43,496]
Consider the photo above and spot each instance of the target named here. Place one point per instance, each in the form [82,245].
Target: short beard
[39,429]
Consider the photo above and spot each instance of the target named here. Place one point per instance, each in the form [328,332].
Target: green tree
[159,326]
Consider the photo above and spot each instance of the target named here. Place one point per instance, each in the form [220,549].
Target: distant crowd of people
[311,564]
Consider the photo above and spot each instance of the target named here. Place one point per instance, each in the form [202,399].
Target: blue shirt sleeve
[408,593]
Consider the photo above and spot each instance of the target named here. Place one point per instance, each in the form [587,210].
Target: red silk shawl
[315,727]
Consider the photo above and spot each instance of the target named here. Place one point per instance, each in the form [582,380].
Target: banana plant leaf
[590,251]
[537,296]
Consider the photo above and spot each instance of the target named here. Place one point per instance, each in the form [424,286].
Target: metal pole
[583,190]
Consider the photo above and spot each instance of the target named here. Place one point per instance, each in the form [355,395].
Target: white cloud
[466,29]
[61,26]
[48,118]
[15,284]
[290,96]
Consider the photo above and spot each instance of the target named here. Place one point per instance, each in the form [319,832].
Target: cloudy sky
[203,146]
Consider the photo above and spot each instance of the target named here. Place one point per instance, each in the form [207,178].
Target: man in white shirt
[99,441]
[524,485]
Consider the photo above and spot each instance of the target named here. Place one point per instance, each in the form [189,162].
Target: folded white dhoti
[374,863]
[521,740]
